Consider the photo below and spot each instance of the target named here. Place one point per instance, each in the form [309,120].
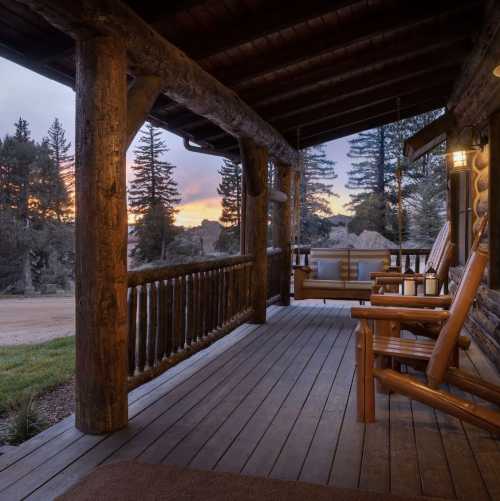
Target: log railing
[274,269]
[175,311]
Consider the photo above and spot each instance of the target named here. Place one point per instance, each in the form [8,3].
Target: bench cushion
[328,269]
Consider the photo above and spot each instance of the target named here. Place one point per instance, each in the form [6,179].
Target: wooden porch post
[494,202]
[101,235]
[282,222]
[254,163]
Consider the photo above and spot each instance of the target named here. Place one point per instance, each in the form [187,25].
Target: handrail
[147,275]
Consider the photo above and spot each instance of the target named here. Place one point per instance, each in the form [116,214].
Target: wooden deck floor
[276,400]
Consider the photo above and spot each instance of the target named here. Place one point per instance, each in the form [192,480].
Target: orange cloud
[193,213]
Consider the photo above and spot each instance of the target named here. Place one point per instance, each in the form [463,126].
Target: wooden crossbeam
[368,25]
[149,53]
[429,137]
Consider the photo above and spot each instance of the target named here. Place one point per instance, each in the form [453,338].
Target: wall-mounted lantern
[469,139]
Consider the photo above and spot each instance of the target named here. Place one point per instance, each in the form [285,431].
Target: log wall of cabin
[483,323]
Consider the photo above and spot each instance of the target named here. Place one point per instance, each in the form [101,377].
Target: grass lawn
[33,369]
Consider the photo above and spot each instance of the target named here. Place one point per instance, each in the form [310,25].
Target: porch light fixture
[496,71]
[469,139]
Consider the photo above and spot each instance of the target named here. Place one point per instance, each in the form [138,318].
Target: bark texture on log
[140,100]
[101,236]
[149,53]
[255,162]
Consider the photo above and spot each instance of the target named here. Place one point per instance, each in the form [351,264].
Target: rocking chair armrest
[411,301]
[399,314]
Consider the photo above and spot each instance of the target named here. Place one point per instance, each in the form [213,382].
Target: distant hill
[340,220]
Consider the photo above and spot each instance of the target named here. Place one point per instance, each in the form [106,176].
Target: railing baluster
[152,324]
[132,332]
[189,310]
[143,327]
[177,314]
[161,321]
[168,332]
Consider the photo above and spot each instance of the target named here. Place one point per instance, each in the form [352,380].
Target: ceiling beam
[402,89]
[345,120]
[359,64]
[244,26]
[182,79]
[477,92]
[384,119]
[371,24]
[369,58]
[323,95]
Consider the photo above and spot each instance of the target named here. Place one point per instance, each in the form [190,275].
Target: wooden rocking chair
[440,258]
[437,356]
[432,329]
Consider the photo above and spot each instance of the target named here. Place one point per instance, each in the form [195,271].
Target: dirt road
[36,319]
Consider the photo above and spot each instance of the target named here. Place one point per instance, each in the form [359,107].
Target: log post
[254,163]
[101,235]
[282,217]
[494,202]
[296,204]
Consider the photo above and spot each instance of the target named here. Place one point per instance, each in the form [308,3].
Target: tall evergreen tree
[153,196]
[316,192]
[59,150]
[230,190]
[370,177]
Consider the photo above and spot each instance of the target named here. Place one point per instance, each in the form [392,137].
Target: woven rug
[132,481]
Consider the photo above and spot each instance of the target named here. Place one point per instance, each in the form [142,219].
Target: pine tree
[153,196]
[316,192]
[230,190]
[59,150]
[370,176]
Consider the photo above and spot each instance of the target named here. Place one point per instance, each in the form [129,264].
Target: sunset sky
[39,100]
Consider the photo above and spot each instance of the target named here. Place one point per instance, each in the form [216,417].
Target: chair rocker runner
[436,355]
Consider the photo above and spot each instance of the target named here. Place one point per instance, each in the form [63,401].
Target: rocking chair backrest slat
[481,228]
[445,262]
[438,248]
[447,339]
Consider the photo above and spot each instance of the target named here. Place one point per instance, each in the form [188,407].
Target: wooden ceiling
[314,69]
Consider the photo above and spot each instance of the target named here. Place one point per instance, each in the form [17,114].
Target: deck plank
[276,400]
[231,446]
[288,465]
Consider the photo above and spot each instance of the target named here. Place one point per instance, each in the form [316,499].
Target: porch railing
[412,258]
[415,259]
[174,311]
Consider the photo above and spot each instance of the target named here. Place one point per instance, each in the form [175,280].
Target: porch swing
[349,274]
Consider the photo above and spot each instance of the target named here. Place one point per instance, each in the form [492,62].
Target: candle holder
[409,283]
[431,283]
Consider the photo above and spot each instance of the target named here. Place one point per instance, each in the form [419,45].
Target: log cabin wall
[483,323]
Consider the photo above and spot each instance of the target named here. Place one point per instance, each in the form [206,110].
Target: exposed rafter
[253,25]
[382,21]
